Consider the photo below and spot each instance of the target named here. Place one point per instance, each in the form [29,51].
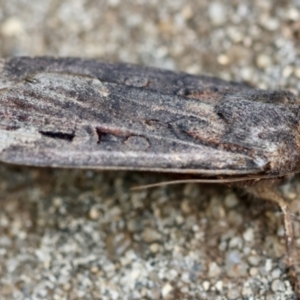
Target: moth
[78,113]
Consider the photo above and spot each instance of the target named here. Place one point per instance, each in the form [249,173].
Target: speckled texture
[69,234]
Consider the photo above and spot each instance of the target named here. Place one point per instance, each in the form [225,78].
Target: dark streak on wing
[82,113]
[58,135]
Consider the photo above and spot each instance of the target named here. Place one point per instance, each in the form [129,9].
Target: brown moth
[71,112]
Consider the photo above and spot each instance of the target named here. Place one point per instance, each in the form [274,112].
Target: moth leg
[268,193]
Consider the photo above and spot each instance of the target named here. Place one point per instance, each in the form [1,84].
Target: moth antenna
[182,181]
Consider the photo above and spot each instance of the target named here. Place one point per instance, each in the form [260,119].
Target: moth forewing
[71,112]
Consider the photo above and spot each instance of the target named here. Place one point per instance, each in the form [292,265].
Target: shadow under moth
[76,113]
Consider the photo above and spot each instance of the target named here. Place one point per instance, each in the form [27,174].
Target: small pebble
[214,270]
[297,72]
[134,225]
[235,218]
[117,244]
[270,24]
[263,61]
[236,242]
[253,271]
[254,260]
[94,269]
[150,235]
[172,274]
[293,14]
[219,285]
[185,207]
[223,59]
[57,201]
[231,200]
[277,286]
[235,267]
[206,285]
[12,27]
[94,213]
[179,220]
[154,248]
[217,13]
[248,235]
[233,294]
[268,265]
[247,74]
[247,292]
[287,71]
[185,277]
[276,273]
[187,12]
[166,290]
